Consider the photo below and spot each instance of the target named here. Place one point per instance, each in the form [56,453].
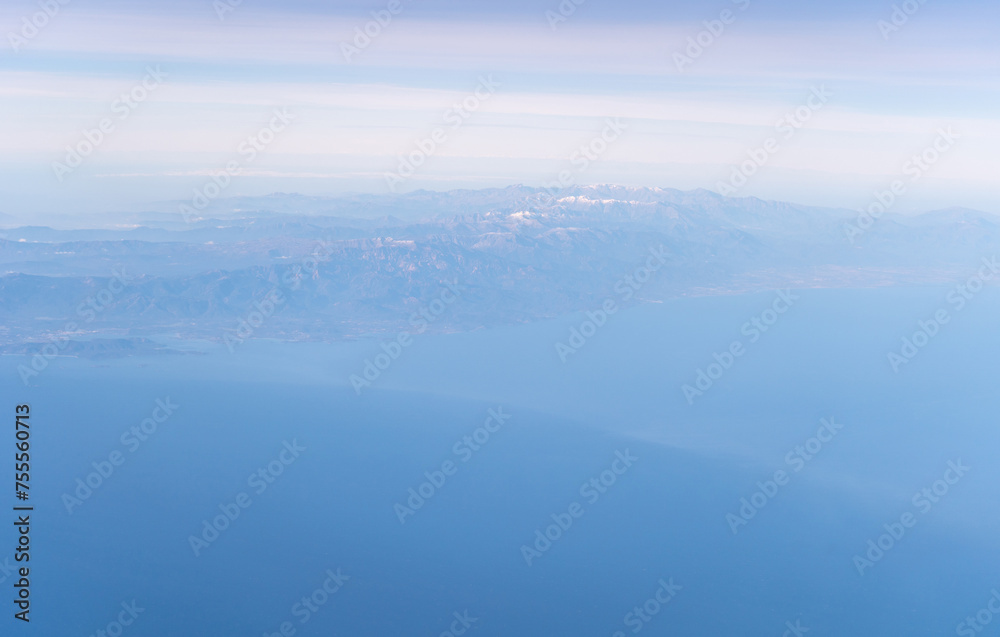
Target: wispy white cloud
[224,77]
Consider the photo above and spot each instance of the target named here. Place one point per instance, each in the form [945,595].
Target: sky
[442,95]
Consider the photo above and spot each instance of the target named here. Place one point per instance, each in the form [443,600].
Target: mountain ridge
[521,254]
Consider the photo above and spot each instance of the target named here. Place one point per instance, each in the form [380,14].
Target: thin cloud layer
[699,96]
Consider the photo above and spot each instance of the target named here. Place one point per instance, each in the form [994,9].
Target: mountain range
[357,266]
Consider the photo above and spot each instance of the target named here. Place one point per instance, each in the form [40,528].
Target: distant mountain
[361,265]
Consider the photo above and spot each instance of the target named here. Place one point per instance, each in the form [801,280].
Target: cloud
[224,77]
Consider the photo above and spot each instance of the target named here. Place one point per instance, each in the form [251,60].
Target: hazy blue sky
[890,92]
